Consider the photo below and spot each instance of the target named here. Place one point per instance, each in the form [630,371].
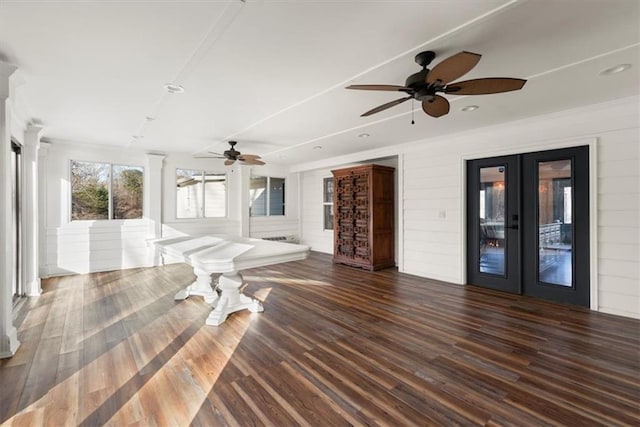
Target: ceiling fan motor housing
[425,94]
[418,79]
[231,154]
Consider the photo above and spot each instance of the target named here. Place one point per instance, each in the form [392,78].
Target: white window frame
[201,213]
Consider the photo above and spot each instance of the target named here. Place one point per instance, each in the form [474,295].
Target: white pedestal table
[226,255]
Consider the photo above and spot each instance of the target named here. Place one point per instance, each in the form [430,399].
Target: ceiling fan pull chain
[413,103]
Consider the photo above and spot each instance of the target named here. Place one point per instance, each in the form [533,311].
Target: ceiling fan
[232,155]
[424,85]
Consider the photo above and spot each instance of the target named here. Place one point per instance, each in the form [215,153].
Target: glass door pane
[492,220]
[555,229]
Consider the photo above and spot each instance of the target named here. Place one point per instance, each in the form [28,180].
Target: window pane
[492,212]
[555,232]
[126,190]
[258,195]
[89,190]
[189,193]
[276,196]
[328,190]
[215,195]
[328,217]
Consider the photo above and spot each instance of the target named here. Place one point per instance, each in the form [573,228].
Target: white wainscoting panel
[90,246]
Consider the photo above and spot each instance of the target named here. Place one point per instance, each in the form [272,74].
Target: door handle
[513,227]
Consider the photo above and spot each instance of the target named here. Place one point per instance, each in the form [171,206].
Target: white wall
[312,211]
[433,246]
[619,222]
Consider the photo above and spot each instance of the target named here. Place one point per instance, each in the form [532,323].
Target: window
[105,191]
[263,202]
[200,194]
[327,201]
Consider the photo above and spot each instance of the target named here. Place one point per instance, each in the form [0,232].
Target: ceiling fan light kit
[424,85]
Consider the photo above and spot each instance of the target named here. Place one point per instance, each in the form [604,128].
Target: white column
[238,199]
[8,335]
[30,224]
[42,208]
[153,200]
[245,219]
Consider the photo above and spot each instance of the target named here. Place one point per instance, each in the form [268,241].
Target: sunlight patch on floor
[190,374]
[287,281]
[151,360]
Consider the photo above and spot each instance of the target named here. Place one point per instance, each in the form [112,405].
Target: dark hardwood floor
[334,346]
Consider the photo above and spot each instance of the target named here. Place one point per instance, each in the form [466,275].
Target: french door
[528,224]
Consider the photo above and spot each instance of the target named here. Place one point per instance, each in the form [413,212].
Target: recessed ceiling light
[171,88]
[615,69]
[469,108]
[364,135]
[317,147]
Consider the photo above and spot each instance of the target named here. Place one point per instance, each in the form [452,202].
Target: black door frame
[17,231]
[585,203]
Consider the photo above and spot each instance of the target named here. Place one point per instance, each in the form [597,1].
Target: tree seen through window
[102,191]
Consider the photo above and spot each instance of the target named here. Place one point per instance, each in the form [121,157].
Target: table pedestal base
[201,286]
[231,300]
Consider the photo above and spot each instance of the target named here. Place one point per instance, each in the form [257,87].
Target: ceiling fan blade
[485,86]
[453,67]
[379,87]
[229,162]
[248,156]
[252,161]
[437,107]
[385,106]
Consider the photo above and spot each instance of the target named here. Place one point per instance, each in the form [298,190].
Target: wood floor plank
[335,346]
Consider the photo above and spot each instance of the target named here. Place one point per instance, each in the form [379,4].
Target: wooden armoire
[363,222]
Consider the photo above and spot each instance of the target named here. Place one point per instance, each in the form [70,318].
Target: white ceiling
[271,74]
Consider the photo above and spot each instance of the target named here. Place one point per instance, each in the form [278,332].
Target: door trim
[592,143]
